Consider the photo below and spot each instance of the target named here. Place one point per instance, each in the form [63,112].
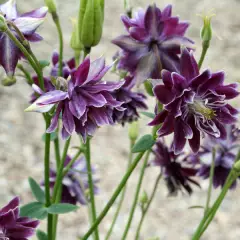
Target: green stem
[114,196]
[27,55]
[135,201]
[122,196]
[60,34]
[57,152]
[145,210]
[91,186]
[205,46]
[210,181]
[77,54]
[46,176]
[26,74]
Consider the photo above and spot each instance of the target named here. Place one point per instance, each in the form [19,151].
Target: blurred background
[21,147]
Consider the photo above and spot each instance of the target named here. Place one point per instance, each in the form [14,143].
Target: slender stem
[57,152]
[46,176]
[66,169]
[91,186]
[135,201]
[60,34]
[26,74]
[145,210]
[114,196]
[205,46]
[27,55]
[122,196]
[58,182]
[77,54]
[210,181]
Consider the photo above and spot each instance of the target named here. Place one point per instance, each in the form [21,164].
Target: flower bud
[51,5]
[133,131]
[149,88]
[144,198]
[9,81]
[3,25]
[91,22]
[75,43]
[236,166]
[206,32]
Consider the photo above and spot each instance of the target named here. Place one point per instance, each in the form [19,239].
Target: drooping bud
[51,5]
[133,131]
[75,42]
[9,81]
[144,198]
[91,22]
[3,24]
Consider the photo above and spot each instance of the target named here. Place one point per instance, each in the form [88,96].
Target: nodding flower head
[153,43]
[194,104]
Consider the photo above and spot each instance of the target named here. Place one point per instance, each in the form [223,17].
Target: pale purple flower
[153,43]
[132,102]
[226,153]
[75,182]
[27,23]
[84,101]
[194,104]
[177,173]
[14,227]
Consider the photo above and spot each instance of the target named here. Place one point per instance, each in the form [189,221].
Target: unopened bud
[91,22]
[149,88]
[144,198]
[9,81]
[236,166]
[51,5]
[206,32]
[3,24]
[133,130]
[75,40]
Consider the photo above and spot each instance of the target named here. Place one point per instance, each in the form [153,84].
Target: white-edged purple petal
[52,97]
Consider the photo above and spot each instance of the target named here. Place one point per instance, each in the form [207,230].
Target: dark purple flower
[226,152]
[84,101]
[194,104]
[14,227]
[153,43]
[177,173]
[132,102]
[69,67]
[27,23]
[75,182]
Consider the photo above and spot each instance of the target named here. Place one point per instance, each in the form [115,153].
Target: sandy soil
[21,150]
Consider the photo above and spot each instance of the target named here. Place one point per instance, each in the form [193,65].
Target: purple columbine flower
[14,227]
[226,153]
[194,104]
[153,43]
[84,101]
[27,23]
[177,173]
[75,182]
[132,102]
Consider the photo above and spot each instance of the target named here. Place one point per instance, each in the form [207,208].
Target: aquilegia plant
[154,59]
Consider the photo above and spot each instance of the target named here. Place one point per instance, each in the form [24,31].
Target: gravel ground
[21,148]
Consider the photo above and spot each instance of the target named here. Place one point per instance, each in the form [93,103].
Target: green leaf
[34,210]
[197,206]
[36,190]
[148,114]
[61,208]
[52,137]
[144,143]
[44,63]
[41,235]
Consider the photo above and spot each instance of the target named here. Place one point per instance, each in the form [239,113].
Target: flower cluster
[177,173]
[85,102]
[27,24]
[153,43]
[225,155]
[194,104]
[14,227]
[75,182]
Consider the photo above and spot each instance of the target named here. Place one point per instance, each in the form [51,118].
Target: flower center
[200,107]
